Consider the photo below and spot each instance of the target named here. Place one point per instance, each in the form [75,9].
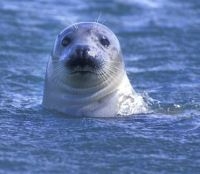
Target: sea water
[160,42]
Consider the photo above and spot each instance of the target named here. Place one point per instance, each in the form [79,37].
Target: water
[160,41]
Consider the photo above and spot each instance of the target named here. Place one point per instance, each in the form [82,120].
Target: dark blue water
[160,40]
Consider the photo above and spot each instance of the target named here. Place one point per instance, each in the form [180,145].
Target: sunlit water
[160,40]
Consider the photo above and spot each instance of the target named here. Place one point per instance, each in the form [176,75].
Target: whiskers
[108,73]
[98,18]
[57,75]
[75,26]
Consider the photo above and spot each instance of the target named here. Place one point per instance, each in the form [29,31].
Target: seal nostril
[82,51]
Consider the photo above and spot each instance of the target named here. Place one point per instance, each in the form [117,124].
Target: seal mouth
[84,66]
[82,71]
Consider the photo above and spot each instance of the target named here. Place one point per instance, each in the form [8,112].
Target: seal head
[87,52]
[86,75]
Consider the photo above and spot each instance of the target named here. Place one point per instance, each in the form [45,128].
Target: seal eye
[104,41]
[66,41]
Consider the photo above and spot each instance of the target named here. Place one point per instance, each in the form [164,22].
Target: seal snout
[81,57]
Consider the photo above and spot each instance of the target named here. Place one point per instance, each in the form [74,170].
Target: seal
[86,74]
